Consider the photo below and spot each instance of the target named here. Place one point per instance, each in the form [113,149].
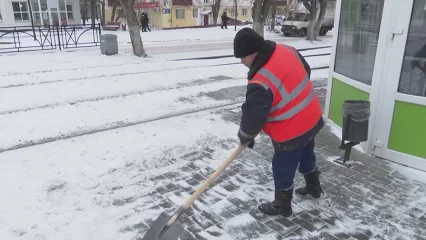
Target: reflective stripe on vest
[287,97]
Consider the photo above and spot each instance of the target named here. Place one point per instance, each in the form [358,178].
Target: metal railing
[48,37]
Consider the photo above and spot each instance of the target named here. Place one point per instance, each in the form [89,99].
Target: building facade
[187,13]
[44,12]
[379,54]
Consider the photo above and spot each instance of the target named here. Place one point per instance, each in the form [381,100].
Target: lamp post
[235,15]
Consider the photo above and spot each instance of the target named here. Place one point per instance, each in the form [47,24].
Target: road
[206,46]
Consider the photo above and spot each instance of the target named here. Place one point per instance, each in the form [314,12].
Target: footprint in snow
[17,232]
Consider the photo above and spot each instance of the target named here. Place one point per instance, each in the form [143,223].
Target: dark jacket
[224,18]
[259,101]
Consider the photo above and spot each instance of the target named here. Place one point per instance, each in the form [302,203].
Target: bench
[112,26]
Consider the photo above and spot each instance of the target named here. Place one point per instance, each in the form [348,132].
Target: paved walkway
[369,201]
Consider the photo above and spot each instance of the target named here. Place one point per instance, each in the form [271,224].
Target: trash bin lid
[109,36]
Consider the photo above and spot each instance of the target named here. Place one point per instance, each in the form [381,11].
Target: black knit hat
[247,42]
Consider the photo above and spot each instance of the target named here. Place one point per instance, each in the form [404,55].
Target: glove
[244,140]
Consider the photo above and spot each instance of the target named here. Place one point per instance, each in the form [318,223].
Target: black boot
[280,206]
[313,186]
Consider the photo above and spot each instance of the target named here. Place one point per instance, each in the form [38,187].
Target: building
[186,13]
[379,54]
[243,10]
[44,12]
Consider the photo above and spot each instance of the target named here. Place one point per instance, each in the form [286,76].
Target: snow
[105,128]
[410,173]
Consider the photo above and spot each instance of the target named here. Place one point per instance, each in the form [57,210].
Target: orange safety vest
[295,109]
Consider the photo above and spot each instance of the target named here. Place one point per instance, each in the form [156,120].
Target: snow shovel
[165,227]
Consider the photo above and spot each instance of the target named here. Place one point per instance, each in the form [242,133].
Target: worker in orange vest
[280,100]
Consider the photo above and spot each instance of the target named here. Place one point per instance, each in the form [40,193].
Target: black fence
[27,38]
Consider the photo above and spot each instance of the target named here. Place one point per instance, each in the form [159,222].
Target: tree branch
[308,5]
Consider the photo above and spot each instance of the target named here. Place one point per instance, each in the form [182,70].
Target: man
[224,20]
[281,100]
[142,20]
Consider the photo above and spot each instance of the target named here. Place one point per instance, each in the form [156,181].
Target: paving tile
[229,186]
[186,235]
[213,217]
[254,229]
[236,233]
[302,232]
[372,194]
[256,214]
[303,223]
[286,223]
[193,182]
[197,232]
[279,228]
[185,220]
[342,235]
[360,236]
[326,236]
[225,214]
[423,218]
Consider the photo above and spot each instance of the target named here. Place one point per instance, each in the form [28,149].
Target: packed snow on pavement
[86,140]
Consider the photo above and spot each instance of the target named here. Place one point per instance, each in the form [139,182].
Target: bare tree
[311,6]
[274,12]
[260,13]
[318,24]
[315,24]
[292,5]
[93,12]
[215,5]
[115,4]
[102,6]
[134,29]
[83,11]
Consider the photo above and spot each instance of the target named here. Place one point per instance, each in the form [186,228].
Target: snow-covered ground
[214,36]
[86,139]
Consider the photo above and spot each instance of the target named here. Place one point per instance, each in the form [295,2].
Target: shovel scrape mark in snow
[58,185]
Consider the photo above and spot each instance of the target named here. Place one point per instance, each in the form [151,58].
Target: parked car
[297,22]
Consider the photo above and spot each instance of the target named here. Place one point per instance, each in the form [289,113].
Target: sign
[166,10]
[139,5]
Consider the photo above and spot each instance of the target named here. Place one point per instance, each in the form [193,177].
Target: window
[65,10]
[180,13]
[69,12]
[244,12]
[359,29]
[206,1]
[21,11]
[195,13]
[413,74]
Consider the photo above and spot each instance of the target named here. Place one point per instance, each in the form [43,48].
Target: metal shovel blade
[155,232]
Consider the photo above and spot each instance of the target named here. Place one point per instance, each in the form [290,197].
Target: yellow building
[185,13]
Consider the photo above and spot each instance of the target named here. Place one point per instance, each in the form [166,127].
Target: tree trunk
[274,12]
[83,11]
[134,29]
[260,13]
[92,12]
[103,14]
[114,8]
[215,11]
[323,8]
[311,5]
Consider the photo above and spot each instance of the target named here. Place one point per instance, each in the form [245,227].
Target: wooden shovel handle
[209,181]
